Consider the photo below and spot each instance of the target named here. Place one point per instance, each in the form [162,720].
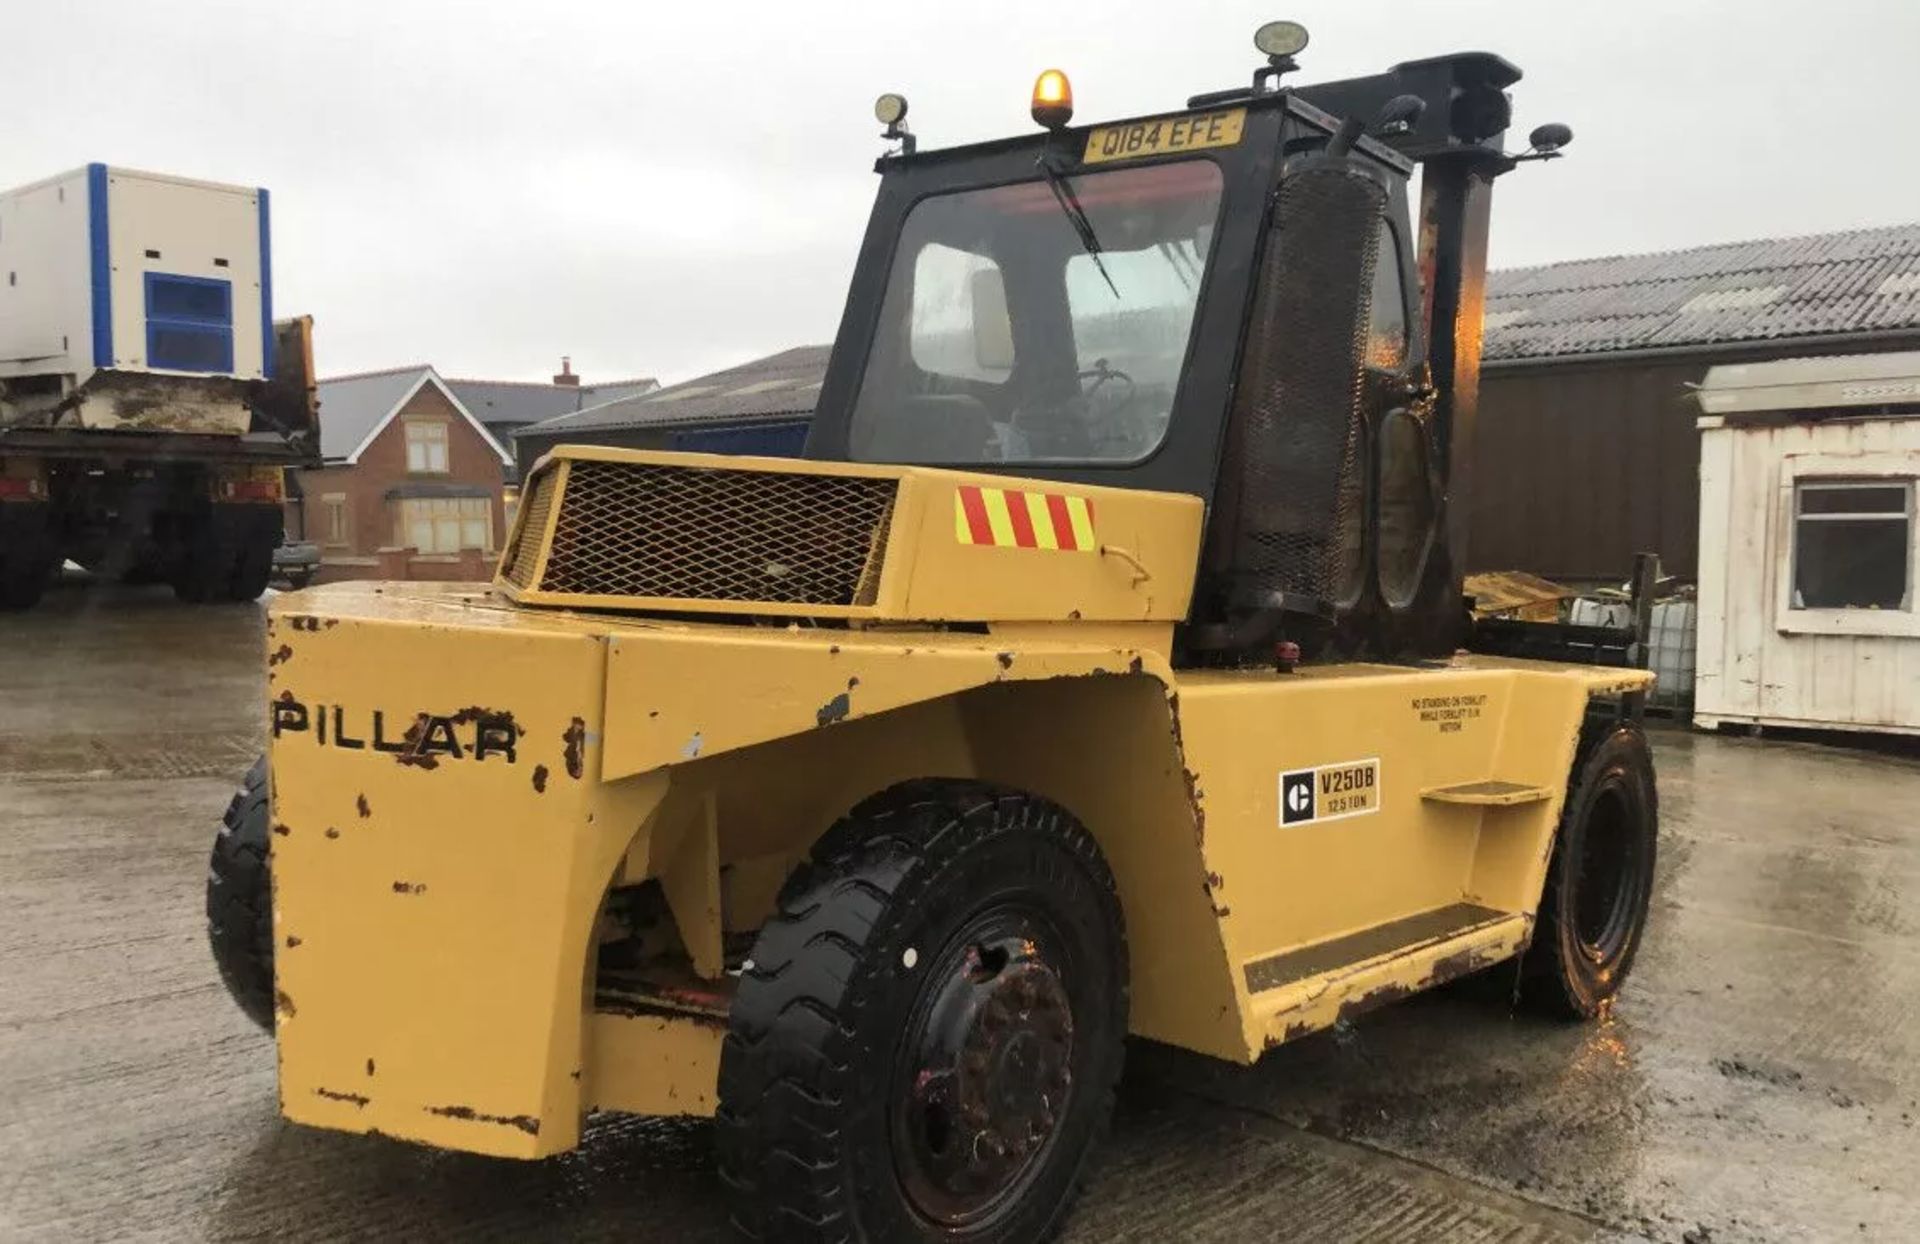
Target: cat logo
[1329,792]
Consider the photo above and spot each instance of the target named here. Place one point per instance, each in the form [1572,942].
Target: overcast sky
[661,189]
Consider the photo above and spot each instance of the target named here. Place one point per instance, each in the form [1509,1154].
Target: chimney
[566,375]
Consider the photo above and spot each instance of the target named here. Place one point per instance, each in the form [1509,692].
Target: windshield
[1013,333]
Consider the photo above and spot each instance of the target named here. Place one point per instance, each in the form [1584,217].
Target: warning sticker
[1329,792]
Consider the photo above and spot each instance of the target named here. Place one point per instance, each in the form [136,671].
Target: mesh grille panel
[692,533]
[1297,453]
[525,553]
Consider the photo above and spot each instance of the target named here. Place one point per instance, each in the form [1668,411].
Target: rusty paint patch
[414,743]
[332,832]
[575,740]
[1373,999]
[525,1122]
[283,1004]
[623,1004]
[365,809]
[282,830]
[369,1066]
[358,1100]
[409,887]
[1005,659]
[1460,963]
[303,622]
[1136,665]
[1292,1032]
[834,710]
[292,941]
[539,779]
[280,655]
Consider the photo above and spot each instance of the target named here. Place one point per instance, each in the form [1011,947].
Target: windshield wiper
[1077,217]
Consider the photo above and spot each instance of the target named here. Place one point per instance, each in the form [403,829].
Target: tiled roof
[1858,281]
[352,406]
[514,402]
[787,383]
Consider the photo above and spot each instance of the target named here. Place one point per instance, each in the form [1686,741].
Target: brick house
[416,480]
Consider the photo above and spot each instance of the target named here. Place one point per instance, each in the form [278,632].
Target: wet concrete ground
[1760,1079]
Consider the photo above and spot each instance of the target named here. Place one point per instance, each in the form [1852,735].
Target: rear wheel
[240,899]
[28,557]
[926,1041]
[1600,882]
[226,553]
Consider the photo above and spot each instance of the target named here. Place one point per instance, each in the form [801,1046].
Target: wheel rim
[1607,885]
[984,1070]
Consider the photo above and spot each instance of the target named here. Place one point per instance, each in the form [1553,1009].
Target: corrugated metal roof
[1818,285]
[787,383]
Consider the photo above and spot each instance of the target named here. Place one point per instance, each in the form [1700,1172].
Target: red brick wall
[383,466]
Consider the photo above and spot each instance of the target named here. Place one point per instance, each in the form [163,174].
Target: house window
[446,524]
[1852,543]
[426,447]
[333,508]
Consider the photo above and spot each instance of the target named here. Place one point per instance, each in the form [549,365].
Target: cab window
[1009,333]
[1387,331]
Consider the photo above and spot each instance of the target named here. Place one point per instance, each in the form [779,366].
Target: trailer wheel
[1600,882]
[240,899]
[925,1043]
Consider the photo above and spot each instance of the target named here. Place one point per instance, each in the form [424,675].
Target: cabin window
[1852,543]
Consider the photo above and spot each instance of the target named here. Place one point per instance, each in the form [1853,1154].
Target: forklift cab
[1227,302]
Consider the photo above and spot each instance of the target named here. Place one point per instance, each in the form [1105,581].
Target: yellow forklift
[1102,669]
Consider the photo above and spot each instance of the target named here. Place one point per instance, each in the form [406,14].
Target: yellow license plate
[1136,140]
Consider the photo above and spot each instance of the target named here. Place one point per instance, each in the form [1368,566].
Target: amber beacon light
[1052,99]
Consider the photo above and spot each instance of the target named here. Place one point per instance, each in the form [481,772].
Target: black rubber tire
[28,558]
[240,899]
[253,561]
[1604,854]
[204,562]
[804,1121]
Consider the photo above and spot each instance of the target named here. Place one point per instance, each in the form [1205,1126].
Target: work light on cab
[1052,99]
[1281,39]
[890,110]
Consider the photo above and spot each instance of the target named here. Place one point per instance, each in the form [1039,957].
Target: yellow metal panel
[433,905]
[948,577]
[651,1064]
[676,694]
[934,570]
[1249,735]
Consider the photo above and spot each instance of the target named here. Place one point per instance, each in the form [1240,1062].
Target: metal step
[1491,793]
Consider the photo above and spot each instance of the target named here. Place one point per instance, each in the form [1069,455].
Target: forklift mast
[1456,139]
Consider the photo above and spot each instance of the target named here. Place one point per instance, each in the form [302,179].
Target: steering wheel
[1100,373]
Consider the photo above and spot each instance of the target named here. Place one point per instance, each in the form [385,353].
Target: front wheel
[1600,882]
[925,1043]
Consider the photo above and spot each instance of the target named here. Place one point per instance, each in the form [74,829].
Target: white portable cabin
[1809,563]
[110,269]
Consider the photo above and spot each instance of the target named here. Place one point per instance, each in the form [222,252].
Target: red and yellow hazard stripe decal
[1012,518]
